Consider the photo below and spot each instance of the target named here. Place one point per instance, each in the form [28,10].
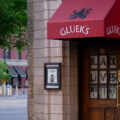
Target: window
[6,54]
[18,55]
[103,76]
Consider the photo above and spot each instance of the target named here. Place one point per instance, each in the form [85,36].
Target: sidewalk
[13,107]
[21,91]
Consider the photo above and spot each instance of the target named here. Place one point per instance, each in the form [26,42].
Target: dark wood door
[100,84]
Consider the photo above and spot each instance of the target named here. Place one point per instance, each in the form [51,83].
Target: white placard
[52,76]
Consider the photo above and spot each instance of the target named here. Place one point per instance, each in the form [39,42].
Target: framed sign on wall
[52,72]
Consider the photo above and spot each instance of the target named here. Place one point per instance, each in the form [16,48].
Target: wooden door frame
[87,43]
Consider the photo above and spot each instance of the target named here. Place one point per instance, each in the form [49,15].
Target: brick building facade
[16,60]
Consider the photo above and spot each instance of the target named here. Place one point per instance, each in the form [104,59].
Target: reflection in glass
[112,61]
[103,61]
[103,91]
[93,91]
[112,77]
[112,92]
[93,62]
[93,77]
[103,76]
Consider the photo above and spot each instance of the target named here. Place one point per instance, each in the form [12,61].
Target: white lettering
[87,31]
[62,32]
[74,29]
[77,28]
[113,30]
[82,29]
[67,30]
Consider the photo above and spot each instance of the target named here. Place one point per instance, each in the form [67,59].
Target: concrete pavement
[13,108]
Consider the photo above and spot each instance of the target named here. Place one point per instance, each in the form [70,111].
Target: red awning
[85,18]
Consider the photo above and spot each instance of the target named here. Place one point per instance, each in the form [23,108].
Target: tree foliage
[4,76]
[13,22]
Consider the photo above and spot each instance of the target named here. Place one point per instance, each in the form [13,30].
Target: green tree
[4,76]
[13,23]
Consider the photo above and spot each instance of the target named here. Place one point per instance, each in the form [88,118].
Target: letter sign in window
[112,61]
[103,91]
[103,76]
[112,92]
[93,62]
[93,92]
[103,61]
[93,76]
[112,77]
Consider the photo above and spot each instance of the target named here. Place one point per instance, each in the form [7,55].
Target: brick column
[49,104]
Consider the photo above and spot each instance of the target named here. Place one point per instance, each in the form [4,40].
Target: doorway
[99,70]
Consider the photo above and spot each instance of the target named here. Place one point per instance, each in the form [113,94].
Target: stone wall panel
[50,104]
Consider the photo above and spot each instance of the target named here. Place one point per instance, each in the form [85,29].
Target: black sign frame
[52,76]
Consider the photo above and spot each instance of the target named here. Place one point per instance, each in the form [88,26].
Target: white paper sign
[52,75]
